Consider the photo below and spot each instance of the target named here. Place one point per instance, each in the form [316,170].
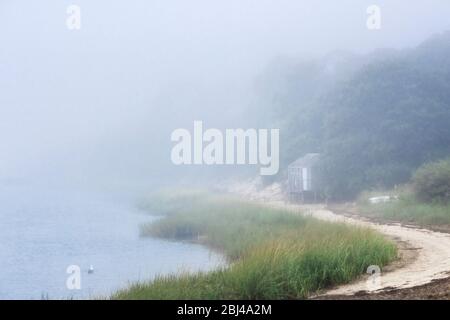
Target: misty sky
[138,69]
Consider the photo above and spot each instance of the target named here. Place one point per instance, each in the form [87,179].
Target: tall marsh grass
[273,253]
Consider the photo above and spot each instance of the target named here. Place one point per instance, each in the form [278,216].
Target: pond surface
[45,230]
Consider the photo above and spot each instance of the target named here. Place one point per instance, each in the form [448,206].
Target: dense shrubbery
[375,119]
[431,182]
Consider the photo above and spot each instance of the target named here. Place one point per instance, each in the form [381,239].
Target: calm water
[44,230]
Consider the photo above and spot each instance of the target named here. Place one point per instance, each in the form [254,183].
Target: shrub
[431,182]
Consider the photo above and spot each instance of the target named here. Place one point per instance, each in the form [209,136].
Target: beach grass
[406,208]
[273,253]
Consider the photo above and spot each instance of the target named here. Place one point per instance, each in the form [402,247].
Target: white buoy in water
[91,269]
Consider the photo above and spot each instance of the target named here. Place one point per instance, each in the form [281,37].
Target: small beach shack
[303,184]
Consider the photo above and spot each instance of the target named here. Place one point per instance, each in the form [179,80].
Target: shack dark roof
[309,160]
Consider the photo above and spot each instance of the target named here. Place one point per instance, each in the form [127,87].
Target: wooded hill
[374,118]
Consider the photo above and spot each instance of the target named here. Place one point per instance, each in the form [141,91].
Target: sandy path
[432,249]
[431,262]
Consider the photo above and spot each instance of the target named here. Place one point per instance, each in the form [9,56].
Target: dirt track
[431,262]
[424,254]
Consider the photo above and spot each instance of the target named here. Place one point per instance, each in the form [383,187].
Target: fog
[97,105]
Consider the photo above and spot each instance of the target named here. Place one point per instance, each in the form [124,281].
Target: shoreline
[429,263]
[273,253]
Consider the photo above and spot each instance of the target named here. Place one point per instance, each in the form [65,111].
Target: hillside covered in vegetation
[374,118]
